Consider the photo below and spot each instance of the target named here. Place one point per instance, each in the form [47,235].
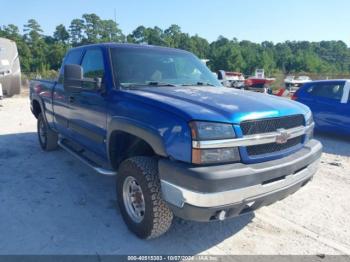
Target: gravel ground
[50,203]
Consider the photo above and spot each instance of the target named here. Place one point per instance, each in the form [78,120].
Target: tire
[157,216]
[47,138]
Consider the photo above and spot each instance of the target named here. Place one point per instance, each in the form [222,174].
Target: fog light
[222,215]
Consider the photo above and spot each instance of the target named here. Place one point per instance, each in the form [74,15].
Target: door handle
[71,99]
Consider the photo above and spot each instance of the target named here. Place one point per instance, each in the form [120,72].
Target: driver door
[89,105]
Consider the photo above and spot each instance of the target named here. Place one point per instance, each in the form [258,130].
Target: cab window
[92,64]
[72,58]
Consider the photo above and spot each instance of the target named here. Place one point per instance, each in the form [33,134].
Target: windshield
[151,66]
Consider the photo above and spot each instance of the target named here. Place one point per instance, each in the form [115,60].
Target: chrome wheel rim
[134,201]
[42,132]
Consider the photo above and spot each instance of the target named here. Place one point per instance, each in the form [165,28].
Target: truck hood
[217,103]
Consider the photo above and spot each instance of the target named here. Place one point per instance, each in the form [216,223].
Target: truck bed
[41,91]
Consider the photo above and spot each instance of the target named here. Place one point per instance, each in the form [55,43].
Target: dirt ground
[50,203]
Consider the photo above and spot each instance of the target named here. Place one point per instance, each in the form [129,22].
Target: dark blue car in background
[329,103]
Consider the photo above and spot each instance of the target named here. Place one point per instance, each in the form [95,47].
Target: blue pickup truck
[179,142]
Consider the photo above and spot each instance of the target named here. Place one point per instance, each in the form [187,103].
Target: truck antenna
[115,15]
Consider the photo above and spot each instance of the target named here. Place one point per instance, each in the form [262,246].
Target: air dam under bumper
[202,193]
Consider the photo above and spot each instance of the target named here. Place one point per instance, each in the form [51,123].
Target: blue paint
[165,110]
[330,114]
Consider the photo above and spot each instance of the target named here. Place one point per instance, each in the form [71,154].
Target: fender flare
[38,99]
[137,129]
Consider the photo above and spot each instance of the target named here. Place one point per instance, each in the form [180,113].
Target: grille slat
[262,126]
[252,127]
[273,147]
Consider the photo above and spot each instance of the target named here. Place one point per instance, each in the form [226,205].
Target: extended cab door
[88,115]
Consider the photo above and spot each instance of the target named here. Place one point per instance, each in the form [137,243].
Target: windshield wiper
[149,83]
[199,84]
[155,83]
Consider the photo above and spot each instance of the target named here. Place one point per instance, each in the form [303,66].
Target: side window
[328,90]
[72,58]
[93,64]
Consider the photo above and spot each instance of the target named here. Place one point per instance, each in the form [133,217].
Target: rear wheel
[139,198]
[47,138]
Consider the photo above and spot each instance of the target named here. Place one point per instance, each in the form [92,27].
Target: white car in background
[293,83]
[231,79]
[10,70]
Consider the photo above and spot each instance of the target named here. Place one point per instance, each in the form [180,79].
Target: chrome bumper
[289,172]
[178,196]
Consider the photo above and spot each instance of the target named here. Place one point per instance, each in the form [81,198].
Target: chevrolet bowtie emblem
[282,136]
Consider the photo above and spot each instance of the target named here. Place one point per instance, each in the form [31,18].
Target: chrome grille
[273,147]
[252,127]
[262,126]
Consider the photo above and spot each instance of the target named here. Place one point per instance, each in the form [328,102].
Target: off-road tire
[49,143]
[157,217]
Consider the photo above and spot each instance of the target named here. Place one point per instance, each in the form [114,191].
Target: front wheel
[139,198]
[47,138]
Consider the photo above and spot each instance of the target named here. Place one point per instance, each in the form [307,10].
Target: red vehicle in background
[259,83]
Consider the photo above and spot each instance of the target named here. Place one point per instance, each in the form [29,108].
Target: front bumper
[200,193]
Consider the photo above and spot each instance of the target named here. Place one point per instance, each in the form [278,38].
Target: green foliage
[42,55]
[61,34]
[76,30]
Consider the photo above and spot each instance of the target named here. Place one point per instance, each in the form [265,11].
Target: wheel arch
[128,138]
[36,107]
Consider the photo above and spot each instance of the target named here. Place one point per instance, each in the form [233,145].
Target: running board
[87,161]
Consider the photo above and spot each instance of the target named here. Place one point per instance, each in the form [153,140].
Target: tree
[61,34]
[284,57]
[37,45]
[40,52]
[76,30]
[172,35]
[56,54]
[11,31]
[138,36]
[151,36]
[155,36]
[92,27]
[110,32]
[33,30]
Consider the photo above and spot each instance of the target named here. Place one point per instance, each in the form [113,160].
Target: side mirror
[73,77]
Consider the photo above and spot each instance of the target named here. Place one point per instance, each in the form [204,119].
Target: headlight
[211,131]
[206,131]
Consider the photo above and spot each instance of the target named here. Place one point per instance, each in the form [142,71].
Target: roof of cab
[330,80]
[131,46]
